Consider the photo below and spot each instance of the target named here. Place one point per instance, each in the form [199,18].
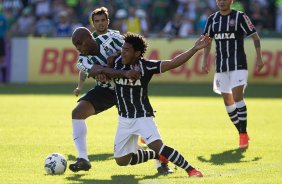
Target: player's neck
[101,32]
[225,12]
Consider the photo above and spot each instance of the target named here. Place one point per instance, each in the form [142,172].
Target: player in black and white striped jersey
[136,116]
[228,28]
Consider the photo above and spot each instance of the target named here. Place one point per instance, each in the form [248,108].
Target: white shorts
[128,131]
[224,82]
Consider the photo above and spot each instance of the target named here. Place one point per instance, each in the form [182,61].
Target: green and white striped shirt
[109,43]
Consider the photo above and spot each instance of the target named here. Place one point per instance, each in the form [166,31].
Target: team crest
[232,23]
[217,83]
[137,68]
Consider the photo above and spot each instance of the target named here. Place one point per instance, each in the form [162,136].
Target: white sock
[79,131]
[230,108]
[240,104]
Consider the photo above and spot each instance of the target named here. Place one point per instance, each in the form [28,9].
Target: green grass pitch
[35,120]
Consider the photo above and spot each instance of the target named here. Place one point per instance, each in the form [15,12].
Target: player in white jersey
[101,97]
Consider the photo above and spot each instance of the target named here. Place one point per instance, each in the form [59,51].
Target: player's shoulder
[213,15]
[115,34]
[113,31]
[240,13]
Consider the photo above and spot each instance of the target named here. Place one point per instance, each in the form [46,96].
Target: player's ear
[137,54]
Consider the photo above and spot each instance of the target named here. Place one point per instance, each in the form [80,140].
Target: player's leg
[221,85]
[238,84]
[83,110]
[135,157]
[175,157]
[161,163]
[148,129]
[93,102]
[231,109]
[126,150]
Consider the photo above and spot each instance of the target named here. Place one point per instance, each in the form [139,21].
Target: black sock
[143,156]
[234,118]
[175,157]
[242,116]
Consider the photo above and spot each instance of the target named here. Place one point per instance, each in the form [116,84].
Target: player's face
[128,54]
[101,23]
[224,5]
[87,46]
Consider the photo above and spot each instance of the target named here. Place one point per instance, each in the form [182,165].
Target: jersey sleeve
[246,25]
[153,66]
[118,39]
[208,27]
[84,64]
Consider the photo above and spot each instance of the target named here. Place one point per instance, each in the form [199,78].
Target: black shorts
[101,98]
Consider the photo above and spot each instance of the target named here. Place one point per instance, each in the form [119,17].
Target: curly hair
[99,11]
[137,41]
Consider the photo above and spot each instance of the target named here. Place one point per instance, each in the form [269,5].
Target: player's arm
[78,89]
[112,58]
[112,73]
[259,63]
[202,42]
[206,52]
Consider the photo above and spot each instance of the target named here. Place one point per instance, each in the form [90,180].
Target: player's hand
[112,58]
[202,42]
[132,74]
[76,91]
[205,68]
[259,65]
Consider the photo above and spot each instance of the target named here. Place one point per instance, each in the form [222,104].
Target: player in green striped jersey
[102,96]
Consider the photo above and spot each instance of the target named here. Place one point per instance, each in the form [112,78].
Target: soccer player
[100,21]
[136,115]
[228,27]
[103,43]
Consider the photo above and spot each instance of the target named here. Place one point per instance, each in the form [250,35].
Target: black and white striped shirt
[132,96]
[228,32]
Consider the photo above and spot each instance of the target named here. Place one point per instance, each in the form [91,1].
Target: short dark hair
[137,41]
[99,11]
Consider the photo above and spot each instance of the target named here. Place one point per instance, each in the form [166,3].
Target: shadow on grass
[226,157]
[155,89]
[94,158]
[116,179]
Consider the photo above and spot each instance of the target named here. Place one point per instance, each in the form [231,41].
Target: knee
[77,113]
[156,145]
[238,98]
